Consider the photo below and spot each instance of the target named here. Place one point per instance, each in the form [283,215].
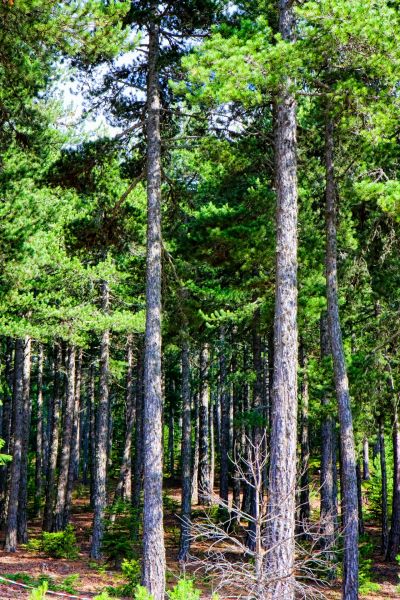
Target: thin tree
[186,456]
[280,528]
[153,566]
[348,455]
[102,434]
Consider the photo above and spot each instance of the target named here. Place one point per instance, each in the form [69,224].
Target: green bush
[184,590]
[61,544]
[40,592]
[131,571]
[141,593]
[121,532]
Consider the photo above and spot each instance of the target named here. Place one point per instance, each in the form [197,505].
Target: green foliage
[121,532]
[4,458]
[141,593]
[40,592]
[131,570]
[184,590]
[61,544]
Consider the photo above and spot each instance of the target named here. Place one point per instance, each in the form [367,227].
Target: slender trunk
[212,440]
[359,497]
[22,532]
[153,569]
[102,435]
[54,416]
[186,456]
[124,486]
[39,433]
[237,444]
[171,437]
[75,450]
[6,424]
[225,409]
[394,536]
[384,490]
[59,512]
[328,460]
[204,400]
[246,435]
[92,408]
[16,448]
[196,451]
[282,478]
[348,456]
[304,512]
[138,464]
[85,438]
[366,473]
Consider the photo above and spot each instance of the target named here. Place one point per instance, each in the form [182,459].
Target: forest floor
[90,578]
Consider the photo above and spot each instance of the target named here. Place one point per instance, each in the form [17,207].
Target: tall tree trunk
[394,536]
[124,486]
[68,423]
[282,477]
[171,433]
[75,441]
[257,433]
[54,416]
[348,456]
[102,434]
[153,569]
[138,464]
[366,473]
[16,448]
[359,498]
[204,401]
[212,439]
[184,546]
[196,451]
[328,460]
[225,411]
[22,526]
[6,424]
[92,428]
[304,512]
[384,490]
[39,433]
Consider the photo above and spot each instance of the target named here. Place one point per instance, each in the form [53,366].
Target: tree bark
[22,532]
[366,473]
[196,451]
[282,476]
[102,435]
[153,566]
[124,486]
[54,416]
[328,460]
[6,424]
[186,456]
[16,448]
[348,456]
[225,433]
[138,464]
[384,490]
[204,401]
[59,512]
[92,423]
[304,512]
[39,433]
[75,440]
[394,536]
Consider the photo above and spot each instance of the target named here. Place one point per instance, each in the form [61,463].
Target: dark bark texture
[279,562]
[153,568]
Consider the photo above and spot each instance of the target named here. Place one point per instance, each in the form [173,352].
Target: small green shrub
[68,584]
[102,596]
[40,592]
[131,571]
[121,532]
[141,593]
[184,590]
[61,544]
